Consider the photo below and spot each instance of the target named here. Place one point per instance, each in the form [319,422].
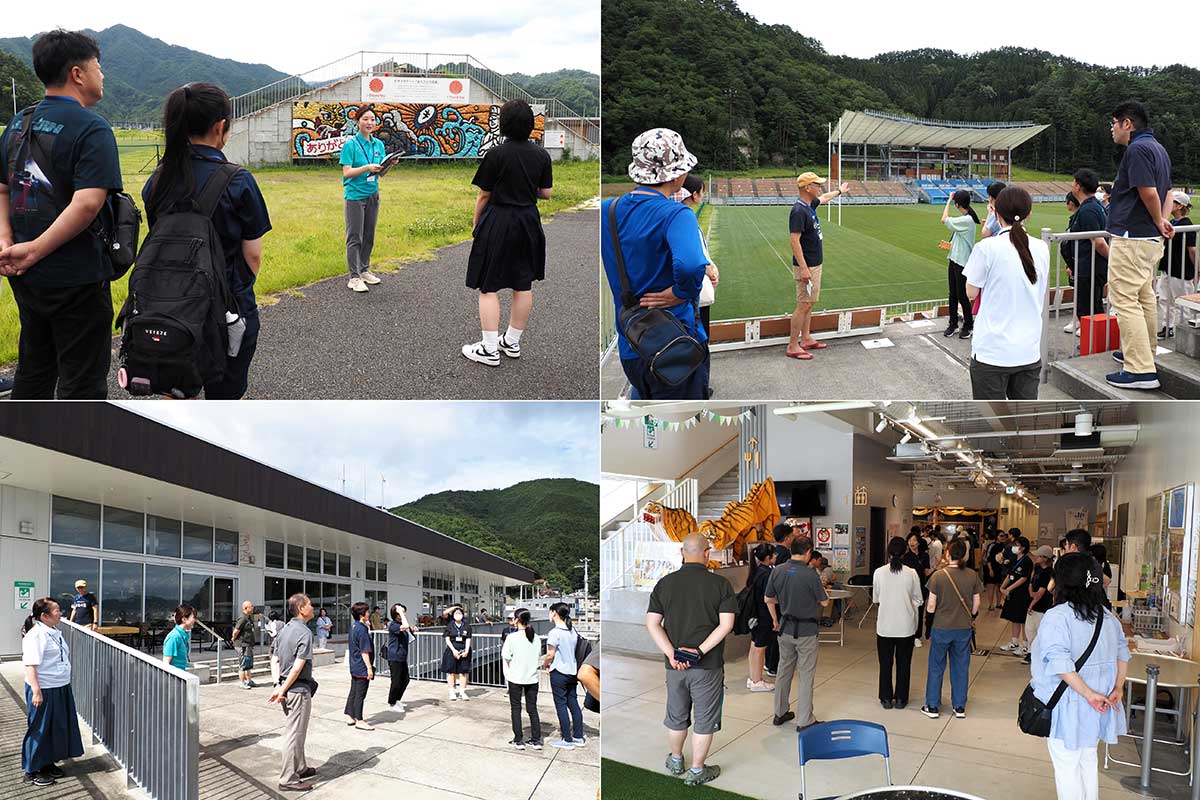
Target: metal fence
[146,713]
[1056,294]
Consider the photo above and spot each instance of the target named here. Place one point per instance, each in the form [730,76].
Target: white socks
[513,335]
[491,340]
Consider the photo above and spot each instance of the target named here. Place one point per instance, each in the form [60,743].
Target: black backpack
[118,225]
[174,330]
[746,618]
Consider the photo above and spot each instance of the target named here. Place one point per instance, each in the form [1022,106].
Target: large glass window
[75,522]
[197,542]
[162,594]
[223,602]
[294,586]
[163,536]
[197,592]
[274,555]
[381,571]
[273,596]
[344,566]
[64,571]
[295,557]
[226,551]
[370,570]
[330,560]
[123,530]
[312,560]
[121,588]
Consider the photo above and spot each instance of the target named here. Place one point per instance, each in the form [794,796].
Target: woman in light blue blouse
[962,240]
[1090,710]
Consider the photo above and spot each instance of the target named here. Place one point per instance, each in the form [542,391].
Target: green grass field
[879,255]
[424,206]
[625,782]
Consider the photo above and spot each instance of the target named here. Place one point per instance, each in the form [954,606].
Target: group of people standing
[56,212]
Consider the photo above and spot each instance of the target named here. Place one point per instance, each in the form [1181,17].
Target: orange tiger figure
[759,510]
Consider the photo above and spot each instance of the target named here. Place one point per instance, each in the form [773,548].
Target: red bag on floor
[1098,333]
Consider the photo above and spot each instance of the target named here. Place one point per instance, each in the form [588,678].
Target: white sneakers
[1072,326]
[512,350]
[451,695]
[397,707]
[358,284]
[917,642]
[462,694]
[478,353]
[760,686]
[1013,646]
[369,278]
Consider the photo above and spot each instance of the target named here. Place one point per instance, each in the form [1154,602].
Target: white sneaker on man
[397,707]
[357,285]
[917,642]
[1072,326]
[369,278]
[478,353]
[1010,647]
[510,349]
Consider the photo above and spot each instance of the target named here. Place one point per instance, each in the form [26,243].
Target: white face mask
[1016,549]
[458,617]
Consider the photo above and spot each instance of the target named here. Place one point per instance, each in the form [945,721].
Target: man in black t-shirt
[1040,597]
[50,250]
[807,256]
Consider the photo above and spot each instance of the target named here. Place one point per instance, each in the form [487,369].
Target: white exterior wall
[23,557]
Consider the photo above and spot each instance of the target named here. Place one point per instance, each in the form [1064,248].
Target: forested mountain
[139,71]
[29,88]
[547,525]
[720,70]
[577,88]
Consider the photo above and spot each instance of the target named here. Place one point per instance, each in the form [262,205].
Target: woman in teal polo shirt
[362,155]
[962,241]
[179,640]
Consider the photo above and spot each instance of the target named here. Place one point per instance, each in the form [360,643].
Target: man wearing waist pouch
[795,598]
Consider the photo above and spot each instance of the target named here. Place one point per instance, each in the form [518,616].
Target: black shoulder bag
[655,334]
[1033,716]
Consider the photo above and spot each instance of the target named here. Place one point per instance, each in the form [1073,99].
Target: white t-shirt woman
[1008,328]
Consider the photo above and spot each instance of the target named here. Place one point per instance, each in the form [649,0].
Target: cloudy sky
[527,36]
[418,447]
[1087,33]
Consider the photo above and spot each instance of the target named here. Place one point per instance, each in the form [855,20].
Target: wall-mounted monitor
[801,498]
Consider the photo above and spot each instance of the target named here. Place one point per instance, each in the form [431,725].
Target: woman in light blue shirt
[560,658]
[1090,709]
[962,240]
[361,160]
[53,732]
[179,640]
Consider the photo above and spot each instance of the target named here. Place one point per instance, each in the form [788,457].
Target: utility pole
[583,564]
[382,484]
[731,93]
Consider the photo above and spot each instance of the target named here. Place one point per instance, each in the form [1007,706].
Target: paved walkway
[437,750]
[984,755]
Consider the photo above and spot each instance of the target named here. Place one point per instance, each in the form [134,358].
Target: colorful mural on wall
[416,130]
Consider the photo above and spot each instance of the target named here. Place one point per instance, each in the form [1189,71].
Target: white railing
[145,712]
[1055,302]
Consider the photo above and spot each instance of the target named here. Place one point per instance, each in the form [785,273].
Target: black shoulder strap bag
[1033,716]
[655,334]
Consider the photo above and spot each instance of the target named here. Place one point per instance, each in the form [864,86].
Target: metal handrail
[144,711]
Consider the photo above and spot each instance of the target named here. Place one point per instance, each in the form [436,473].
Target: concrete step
[1083,378]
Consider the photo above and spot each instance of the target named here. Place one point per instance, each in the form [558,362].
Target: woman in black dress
[1015,592]
[917,557]
[509,251]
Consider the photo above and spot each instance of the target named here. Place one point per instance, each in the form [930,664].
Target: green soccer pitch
[878,255]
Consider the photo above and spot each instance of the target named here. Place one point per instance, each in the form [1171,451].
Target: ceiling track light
[883,423]
[906,438]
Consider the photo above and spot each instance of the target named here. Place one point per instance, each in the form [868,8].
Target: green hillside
[29,88]
[577,88]
[723,75]
[139,71]
[546,524]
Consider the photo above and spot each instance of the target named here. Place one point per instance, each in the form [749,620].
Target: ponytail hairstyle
[962,199]
[190,110]
[563,612]
[40,606]
[525,622]
[896,550]
[1013,207]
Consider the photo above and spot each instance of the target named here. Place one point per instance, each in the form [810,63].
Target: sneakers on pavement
[1119,356]
[761,686]
[370,278]
[516,745]
[932,713]
[357,285]
[1071,327]
[511,350]
[708,772]
[1008,648]
[965,334]
[478,353]
[1133,380]
[917,642]
[675,764]
[960,712]
[784,718]
[534,744]
[563,744]
[951,329]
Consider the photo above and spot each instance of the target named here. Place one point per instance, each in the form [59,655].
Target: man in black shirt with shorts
[807,256]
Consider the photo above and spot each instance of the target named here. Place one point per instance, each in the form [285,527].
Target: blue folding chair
[842,738]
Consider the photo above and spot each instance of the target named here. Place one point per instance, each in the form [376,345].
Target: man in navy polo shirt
[661,244]
[807,257]
[1138,224]
[49,250]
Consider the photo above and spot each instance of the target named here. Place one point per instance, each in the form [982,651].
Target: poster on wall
[555,140]
[841,559]
[1046,533]
[414,130]
[1077,518]
[653,560]
[650,433]
[860,547]
[397,89]
[824,539]
[803,523]
[841,535]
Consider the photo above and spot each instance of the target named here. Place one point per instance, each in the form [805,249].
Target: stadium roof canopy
[878,128]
